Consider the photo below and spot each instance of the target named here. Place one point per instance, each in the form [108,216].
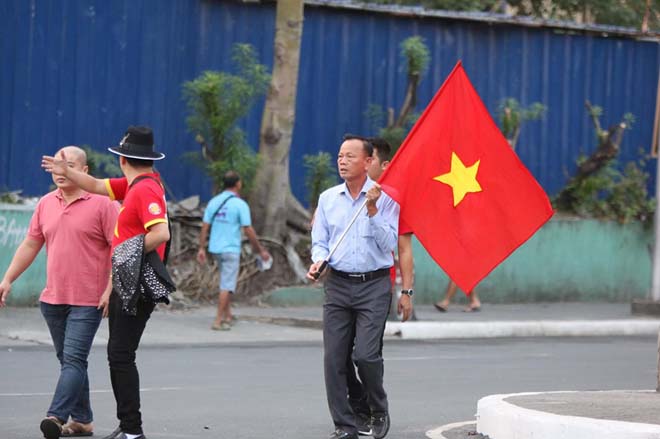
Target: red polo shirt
[143,206]
[78,236]
[404,229]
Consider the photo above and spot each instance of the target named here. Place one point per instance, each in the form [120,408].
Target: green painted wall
[567,260]
[14,222]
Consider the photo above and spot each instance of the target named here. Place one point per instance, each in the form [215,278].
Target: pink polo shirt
[78,238]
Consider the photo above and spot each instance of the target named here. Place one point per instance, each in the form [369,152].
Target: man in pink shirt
[77,228]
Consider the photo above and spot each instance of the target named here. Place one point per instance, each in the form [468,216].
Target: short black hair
[382,148]
[140,163]
[230,179]
[366,143]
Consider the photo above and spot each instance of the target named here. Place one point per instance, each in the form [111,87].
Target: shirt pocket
[364,228]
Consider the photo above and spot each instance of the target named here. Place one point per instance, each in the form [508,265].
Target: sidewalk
[25,326]
[509,320]
[561,415]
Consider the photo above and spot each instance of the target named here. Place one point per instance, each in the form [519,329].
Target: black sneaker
[341,434]
[363,424]
[118,434]
[380,423]
[115,434]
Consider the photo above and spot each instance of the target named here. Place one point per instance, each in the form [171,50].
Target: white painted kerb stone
[530,328]
[502,420]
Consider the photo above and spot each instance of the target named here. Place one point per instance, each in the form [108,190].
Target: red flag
[462,190]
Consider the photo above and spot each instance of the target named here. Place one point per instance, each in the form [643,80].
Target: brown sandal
[51,427]
[77,429]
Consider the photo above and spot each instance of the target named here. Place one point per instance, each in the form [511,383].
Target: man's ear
[85,169]
[385,164]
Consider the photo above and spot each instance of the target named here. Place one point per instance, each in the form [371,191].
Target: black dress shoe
[380,423]
[341,434]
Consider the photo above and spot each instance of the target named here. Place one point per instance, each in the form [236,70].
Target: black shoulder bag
[221,206]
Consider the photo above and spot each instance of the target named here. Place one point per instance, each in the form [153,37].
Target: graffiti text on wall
[11,232]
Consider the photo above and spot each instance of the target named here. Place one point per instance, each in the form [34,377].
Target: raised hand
[54,165]
[373,194]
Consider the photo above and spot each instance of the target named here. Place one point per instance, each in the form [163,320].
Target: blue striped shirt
[369,244]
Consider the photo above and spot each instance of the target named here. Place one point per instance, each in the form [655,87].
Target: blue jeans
[72,329]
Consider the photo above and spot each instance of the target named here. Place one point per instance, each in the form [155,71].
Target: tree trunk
[647,14]
[280,220]
[409,101]
[608,148]
[272,191]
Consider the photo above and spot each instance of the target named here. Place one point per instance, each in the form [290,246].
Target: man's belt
[361,277]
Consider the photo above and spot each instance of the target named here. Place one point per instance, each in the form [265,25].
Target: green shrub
[320,174]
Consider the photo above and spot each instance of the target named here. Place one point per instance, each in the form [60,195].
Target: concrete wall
[567,260]
[14,221]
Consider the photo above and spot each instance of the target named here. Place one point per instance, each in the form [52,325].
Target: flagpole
[655,281]
[341,238]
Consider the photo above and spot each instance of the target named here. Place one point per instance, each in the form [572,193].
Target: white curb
[437,433]
[530,328]
[502,420]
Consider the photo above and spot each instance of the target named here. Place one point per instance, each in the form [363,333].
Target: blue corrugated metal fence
[80,72]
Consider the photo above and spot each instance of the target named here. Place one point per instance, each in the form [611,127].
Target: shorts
[228,263]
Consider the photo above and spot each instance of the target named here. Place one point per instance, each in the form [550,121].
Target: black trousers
[354,312]
[357,395]
[125,334]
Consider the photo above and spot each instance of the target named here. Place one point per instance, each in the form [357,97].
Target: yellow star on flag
[462,179]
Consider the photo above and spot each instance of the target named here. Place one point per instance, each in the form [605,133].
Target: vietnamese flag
[462,190]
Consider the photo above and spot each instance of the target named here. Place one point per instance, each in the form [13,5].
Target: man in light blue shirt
[357,289]
[225,216]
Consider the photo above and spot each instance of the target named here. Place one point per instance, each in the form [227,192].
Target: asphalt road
[276,390]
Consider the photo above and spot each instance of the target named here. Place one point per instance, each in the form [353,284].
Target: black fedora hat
[138,143]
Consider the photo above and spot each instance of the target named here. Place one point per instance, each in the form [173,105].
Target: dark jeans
[354,312]
[125,334]
[72,329]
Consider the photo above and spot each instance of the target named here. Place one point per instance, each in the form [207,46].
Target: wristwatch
[408,293]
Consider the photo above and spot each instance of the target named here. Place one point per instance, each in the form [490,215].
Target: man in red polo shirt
[143,212]
[69,221]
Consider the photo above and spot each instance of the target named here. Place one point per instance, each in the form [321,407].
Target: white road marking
[146,389]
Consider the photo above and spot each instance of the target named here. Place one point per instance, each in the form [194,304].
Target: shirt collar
[343,188]
[83,196]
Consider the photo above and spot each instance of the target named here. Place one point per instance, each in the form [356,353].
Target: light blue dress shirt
[369,243]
